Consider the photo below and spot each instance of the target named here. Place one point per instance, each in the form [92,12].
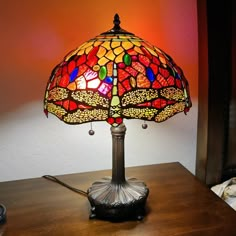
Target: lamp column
[118,160]
[118,198]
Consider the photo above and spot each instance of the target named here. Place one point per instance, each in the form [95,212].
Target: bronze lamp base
[118,201]
[117,198]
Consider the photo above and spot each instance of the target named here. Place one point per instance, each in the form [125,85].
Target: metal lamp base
[117,202]
[117,198]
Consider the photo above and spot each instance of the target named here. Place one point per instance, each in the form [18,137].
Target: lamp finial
[116,22]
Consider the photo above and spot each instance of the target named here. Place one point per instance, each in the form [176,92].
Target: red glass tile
[118,120]
[146,52]
[64,81]
[156,60]
[162,80]
[81,59]
[71,66]
[72,106]
[92,53]
[154,68]
[178,83]
[126,85]
[122,75]
[92,61]
[121,65]
[139,67]
[164,72]
[121,89]
[82,69]
[58,103]
[132,52]
[145,104]
[144,60]
[169,102]
[46,112]
[156,85]
[64,70]
[159,103]
[110,120]
[132,71]
[171,80]
[134,58]
[66,104]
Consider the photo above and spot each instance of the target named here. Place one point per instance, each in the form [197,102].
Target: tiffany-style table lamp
[113,76]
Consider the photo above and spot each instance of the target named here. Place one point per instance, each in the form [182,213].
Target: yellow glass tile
[106,45]
[114,90]
[162,59]
[97,43]
[101,52]
[123,37]
[88,49]
[147,44]
[72,86]
[80,52]
[102,61]
[115,44]
[126,45]
[133,82]
[115,101]
[71,54]
[151,51]
[110,55]
[135,38]
[158,50]
[46,95]
[119,58]
[118,50]
[137,43]
[87,44]
[138,50]
[83,45]
[96,67]
[115,115]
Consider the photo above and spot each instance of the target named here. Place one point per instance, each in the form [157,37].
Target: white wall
[32,145]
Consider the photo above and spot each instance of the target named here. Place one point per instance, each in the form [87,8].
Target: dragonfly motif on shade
[113,76]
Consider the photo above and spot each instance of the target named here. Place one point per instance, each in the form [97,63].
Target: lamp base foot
[118,202]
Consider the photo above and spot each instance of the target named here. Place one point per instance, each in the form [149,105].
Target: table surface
[178,204]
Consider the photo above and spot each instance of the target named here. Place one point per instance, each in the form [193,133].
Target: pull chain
[91,131]
[144,125]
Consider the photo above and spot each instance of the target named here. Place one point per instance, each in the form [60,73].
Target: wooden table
[178,204]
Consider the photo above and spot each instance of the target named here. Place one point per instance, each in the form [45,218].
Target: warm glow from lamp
[112,77]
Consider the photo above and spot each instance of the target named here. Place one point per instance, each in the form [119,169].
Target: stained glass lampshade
[112,77]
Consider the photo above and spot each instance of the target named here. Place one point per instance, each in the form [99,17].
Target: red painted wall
[35,35]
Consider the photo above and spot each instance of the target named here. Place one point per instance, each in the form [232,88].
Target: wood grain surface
[178,204]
